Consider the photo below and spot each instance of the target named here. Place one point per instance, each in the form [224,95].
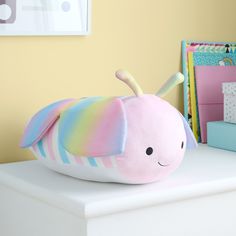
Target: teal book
[214,59]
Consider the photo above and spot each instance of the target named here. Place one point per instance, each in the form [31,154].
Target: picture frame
[45,17]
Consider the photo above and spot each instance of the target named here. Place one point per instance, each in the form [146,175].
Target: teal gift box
[222,135]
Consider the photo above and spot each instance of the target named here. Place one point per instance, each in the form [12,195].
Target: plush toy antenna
[126,77]
[174,80]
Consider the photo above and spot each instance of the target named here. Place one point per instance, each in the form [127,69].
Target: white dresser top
[204,171]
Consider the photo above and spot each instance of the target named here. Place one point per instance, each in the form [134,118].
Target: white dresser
[199,199]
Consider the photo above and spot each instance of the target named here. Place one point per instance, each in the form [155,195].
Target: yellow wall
[142,36]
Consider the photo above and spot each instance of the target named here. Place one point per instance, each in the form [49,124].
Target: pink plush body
[149,123]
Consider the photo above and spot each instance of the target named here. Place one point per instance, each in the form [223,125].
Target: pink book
[209,81]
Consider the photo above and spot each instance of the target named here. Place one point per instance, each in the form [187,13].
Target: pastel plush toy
[134,139]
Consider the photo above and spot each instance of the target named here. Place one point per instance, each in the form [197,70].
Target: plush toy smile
[162,164]
[112,139]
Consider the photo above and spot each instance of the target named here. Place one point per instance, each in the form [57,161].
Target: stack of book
[206,65]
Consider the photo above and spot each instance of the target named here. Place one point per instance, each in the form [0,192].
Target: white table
[198,199]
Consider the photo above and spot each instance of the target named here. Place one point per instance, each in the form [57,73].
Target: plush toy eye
[149,151]
[182,145]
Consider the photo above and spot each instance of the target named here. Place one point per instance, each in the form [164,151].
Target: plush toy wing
[94,127]
[191,141]
[42,121]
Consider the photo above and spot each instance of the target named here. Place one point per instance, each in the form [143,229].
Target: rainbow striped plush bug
[134,139]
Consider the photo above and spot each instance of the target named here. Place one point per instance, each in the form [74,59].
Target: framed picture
[45,17]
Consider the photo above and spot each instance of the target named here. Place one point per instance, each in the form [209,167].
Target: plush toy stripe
[50,142]
[42,121]
[83,161]
[92,161]
[107,162]
[77,127]
[94,127]
[103,130]
[63,154]
[50,148]
[41,148]
[78,160]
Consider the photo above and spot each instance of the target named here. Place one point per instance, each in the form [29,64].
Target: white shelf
[204,172]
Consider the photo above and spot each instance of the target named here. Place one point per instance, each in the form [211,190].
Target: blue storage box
[222,135]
